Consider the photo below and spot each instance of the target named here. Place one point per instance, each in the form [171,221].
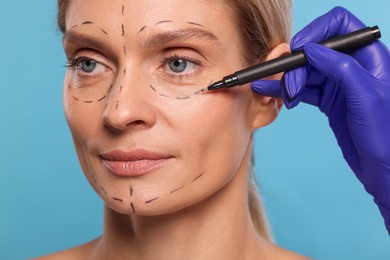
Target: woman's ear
[266,109]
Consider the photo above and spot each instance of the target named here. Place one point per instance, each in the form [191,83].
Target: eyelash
[168,58]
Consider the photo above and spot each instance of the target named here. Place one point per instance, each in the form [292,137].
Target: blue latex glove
[354,93]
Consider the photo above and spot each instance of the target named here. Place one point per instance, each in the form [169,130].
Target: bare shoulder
[81,252]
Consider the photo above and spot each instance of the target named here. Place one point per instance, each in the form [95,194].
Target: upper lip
[134,155]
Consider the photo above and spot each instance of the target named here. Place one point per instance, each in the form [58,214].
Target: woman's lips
[135,162]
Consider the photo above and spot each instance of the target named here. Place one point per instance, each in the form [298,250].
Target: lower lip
[134,168]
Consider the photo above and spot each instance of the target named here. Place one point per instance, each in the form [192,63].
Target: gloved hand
[353,91]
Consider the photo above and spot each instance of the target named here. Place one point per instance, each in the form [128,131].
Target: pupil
[88,65]
[178,65]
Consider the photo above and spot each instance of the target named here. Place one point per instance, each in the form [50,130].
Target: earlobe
[266,109]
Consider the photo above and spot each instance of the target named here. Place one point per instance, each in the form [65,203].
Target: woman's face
[145,152]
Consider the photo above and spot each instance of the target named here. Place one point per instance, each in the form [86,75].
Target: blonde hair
[263,24]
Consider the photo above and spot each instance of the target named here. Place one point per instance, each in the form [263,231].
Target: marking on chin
[132,207]
[197,177]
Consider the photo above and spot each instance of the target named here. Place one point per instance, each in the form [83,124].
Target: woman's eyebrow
[164,38]
[85,40]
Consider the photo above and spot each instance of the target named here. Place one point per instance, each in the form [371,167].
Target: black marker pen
[296,59]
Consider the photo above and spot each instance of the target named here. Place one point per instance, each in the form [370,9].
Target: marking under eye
[110,88]
[163,95]
[88,101]
[87,22]
[101,98]
[184,97]
[197,24]
[164,21]
[152,88]
[149,201]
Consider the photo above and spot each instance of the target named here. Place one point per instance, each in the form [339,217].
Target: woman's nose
[129,104]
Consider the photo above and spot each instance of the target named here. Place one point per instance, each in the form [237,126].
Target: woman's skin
[190,202]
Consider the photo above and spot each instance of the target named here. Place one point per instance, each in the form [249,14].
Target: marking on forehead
[164,21]
[142,28]
[151,200]
[87,22]
[196,24]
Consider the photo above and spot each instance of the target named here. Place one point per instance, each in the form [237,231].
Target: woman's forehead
[138,14]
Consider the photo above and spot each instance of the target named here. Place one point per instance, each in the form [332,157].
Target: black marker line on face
[75,98]
[197,177]
[110,88]
[131,191]
[196,24]
[164,21]
[123,30]
[101,98]
[74,26]
[132,207]
[149,201]
[123,9]
[176,190]
[163,95]
[117,104]
[88,101]
[87,22]
[103,31]
[94,179]
[152,88]
[120,89]
[117,199]
[124,72]
[124,49]
[143,28]
[181,98]
[105,192]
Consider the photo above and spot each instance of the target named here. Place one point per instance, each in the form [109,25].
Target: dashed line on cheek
[197,177]
[151,200]
[175,190]
[117,199]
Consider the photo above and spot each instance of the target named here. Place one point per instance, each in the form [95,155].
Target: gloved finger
[341,68]
[293,82]
[272,88]
[337,21]
[269,88]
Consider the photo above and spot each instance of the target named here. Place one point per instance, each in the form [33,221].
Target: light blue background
[315,204]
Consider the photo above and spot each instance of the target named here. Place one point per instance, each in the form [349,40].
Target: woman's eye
[180,66]
[87,66]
